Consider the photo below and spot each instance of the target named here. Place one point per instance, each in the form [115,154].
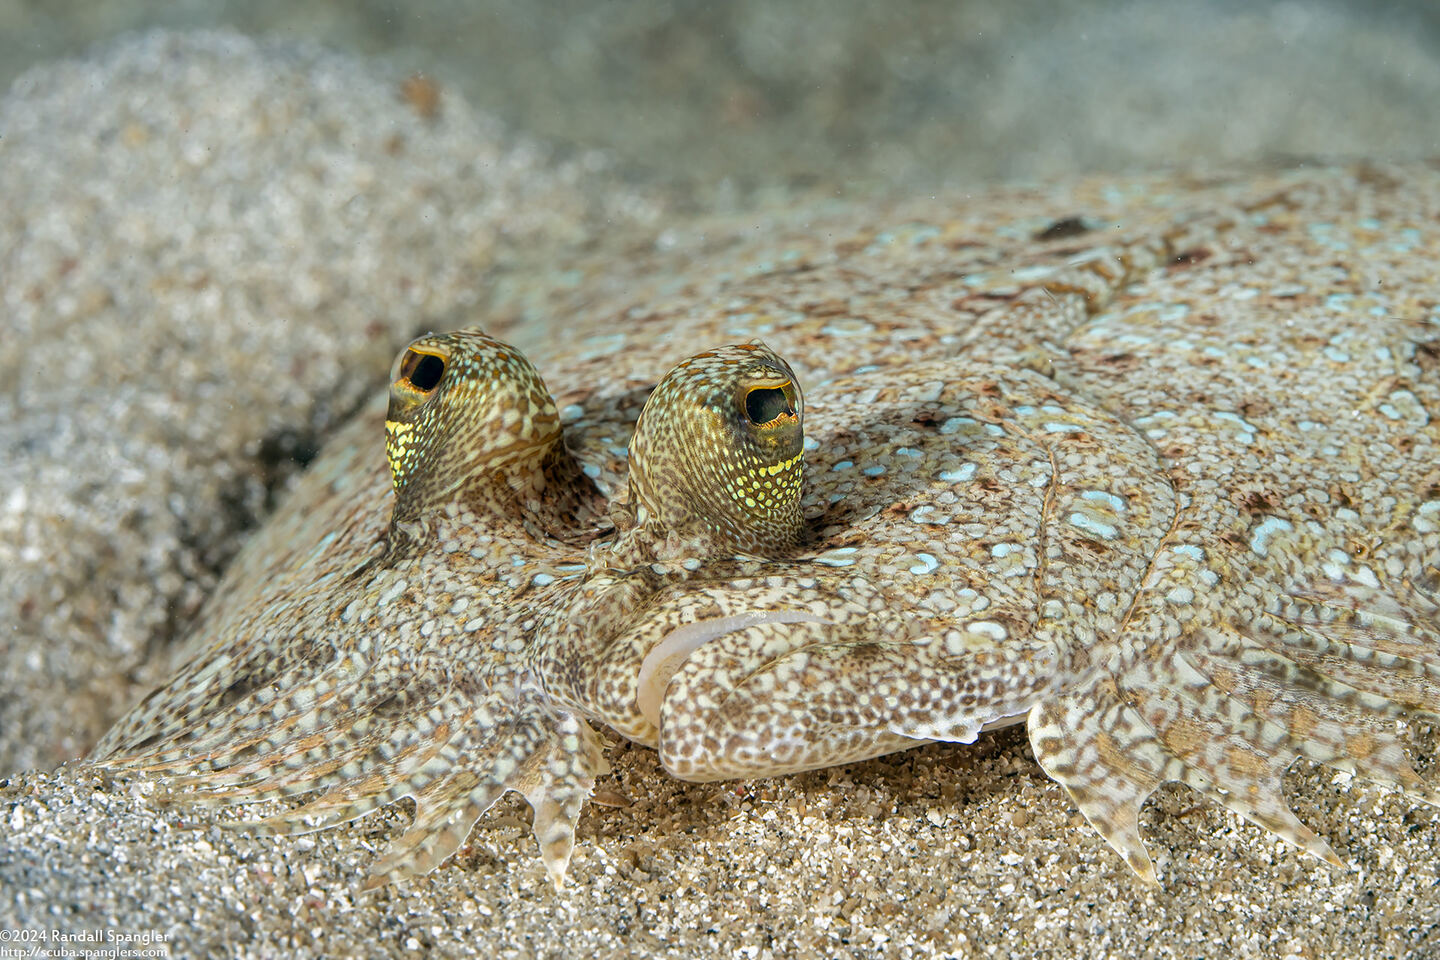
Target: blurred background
[848,95]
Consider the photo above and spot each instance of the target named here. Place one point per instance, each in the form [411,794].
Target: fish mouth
[667,657]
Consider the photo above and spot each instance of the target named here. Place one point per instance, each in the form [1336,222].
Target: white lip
[667,656]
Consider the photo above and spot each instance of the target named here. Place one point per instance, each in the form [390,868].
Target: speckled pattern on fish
[1155,475]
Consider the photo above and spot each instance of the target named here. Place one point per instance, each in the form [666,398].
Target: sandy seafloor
[209,249]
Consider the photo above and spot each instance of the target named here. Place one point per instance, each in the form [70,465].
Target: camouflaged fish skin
[1149,465]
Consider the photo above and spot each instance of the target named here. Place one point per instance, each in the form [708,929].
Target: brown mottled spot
[422,93]
[1247,763]
[1190,257]
[929,418]
[1372,176]
[1360,548]
[1427,355]
[1224,679]
[1186,736]
[1112,755]
[1256,501]
[1302,722]
[1063,229]
[1118,362]
[1341,495]
[1235,540]
[1250,408]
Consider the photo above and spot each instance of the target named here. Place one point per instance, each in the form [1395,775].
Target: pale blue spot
[592,471]
[1337,355]
[956,424]
[966,471]
[1053,427]
[842,465]
[874,471]
[988,628]
[927,564]
[840,557]
[1235,419]
[1190,550]
[908,452]
[1339,301]
[542,579]
[1026,274]
[924,235]
[1104,496]
[851,327]
[1260,540]
[1091,525]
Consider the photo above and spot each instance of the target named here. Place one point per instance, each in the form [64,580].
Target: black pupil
[765,404]
[424,371]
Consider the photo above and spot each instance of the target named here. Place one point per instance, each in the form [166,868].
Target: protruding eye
[421,370]
[462,405]
[765,405]
[717,456]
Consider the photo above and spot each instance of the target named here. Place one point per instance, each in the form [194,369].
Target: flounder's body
[1160,481]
